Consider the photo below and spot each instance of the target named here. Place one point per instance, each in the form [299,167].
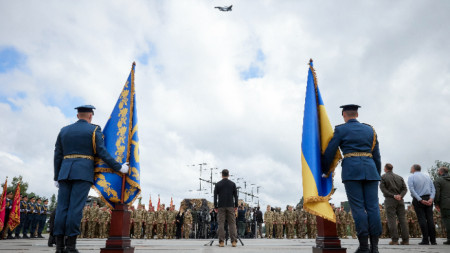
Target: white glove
[56,184]
[125,168]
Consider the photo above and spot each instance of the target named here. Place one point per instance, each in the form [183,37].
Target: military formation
[33,216]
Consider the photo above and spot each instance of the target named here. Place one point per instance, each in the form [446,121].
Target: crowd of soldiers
[413,224]
[33,216]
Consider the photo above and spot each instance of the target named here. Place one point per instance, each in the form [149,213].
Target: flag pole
[327,240]
[119,233]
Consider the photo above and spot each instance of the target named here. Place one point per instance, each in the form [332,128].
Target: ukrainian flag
[317,133]
[122,142]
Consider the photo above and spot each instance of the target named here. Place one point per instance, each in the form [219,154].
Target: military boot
[71,244]
[60,244]
[363,244]
[373,244]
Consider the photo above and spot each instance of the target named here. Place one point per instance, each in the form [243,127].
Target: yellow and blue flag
[317,133]
[122,142]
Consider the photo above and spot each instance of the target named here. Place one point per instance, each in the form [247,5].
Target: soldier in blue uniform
[361,170]
[42,217]
[75,148]
[30,216]
[23,216]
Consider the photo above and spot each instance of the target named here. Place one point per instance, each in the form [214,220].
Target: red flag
[150,205]
[159,203]
[14,215]
[2,206]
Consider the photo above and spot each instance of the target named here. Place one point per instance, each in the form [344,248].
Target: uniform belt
[89,157]
[358,154]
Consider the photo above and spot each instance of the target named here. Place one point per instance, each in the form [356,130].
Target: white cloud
[193,106]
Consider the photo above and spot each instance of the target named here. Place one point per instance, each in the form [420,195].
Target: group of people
[33,216]
[425,193]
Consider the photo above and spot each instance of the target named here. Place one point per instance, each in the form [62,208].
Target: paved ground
[251,245]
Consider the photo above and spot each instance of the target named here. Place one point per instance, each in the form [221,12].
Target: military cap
[31,197]
[350,107]
[9,192]
[85,108]
[38,198]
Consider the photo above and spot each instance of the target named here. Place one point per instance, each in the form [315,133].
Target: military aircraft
[225,8]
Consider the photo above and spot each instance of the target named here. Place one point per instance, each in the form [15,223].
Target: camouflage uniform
[280,222]
[302,222]
[187,224]
[289,217]
[171,216]
[312,228]
[268,219]
[84,221]
[93,221]
[412,223]
[150,219]
[385,231]
[344,222]
[352,224]
[161,221]
[102,222]
[138,218]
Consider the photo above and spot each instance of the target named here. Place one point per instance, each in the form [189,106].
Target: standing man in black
[226,203]
[442,200]
[394,189]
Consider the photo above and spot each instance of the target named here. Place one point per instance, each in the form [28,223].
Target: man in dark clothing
[394,189]
[225,203]
[442,199]
[259,221]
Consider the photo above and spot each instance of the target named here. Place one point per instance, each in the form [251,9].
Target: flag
[122,142]
[3,205]
[150,205]
[317,133]
[159,203]
[171,203]
[14,215]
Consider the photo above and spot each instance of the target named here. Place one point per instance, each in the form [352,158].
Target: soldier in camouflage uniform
[312,228]
[412,222]
[171,217]
[301,224]
[161,220]
[352,224]
[289,217]
[280,222]
[150,221]
[138,218]
[344,222]
[103,222]
[187,223]
[268,220]
[93,220]
[385,229]
[84,221]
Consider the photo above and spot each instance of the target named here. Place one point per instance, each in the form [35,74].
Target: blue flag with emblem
[122,142]
[317,133]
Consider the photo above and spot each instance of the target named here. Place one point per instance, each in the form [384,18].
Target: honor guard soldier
[361,169]
[30,215]
[75,148]
[23,217]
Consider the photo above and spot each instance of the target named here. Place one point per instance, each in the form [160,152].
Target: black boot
[363,244]
[71,246]
[60,245]
[373,244]
[51,240]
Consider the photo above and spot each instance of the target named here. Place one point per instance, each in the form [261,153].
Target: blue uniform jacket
[77,139]
[354,136]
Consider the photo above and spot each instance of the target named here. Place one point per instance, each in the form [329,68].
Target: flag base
[327,239]
[119,232]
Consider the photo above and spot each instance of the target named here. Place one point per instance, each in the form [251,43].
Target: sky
[223,88]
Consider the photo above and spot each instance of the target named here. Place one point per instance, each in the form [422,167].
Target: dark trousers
[425,218]
[72,195]
[227,213]
[23,218]
[362,196]
[33,223]
[396,209]
[446,218]
[27,228]
[42,218]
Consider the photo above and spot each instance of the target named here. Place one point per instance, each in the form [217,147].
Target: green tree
[433,170]
[12,185]
[52,205]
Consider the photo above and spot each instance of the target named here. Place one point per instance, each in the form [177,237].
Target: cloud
[224,88]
